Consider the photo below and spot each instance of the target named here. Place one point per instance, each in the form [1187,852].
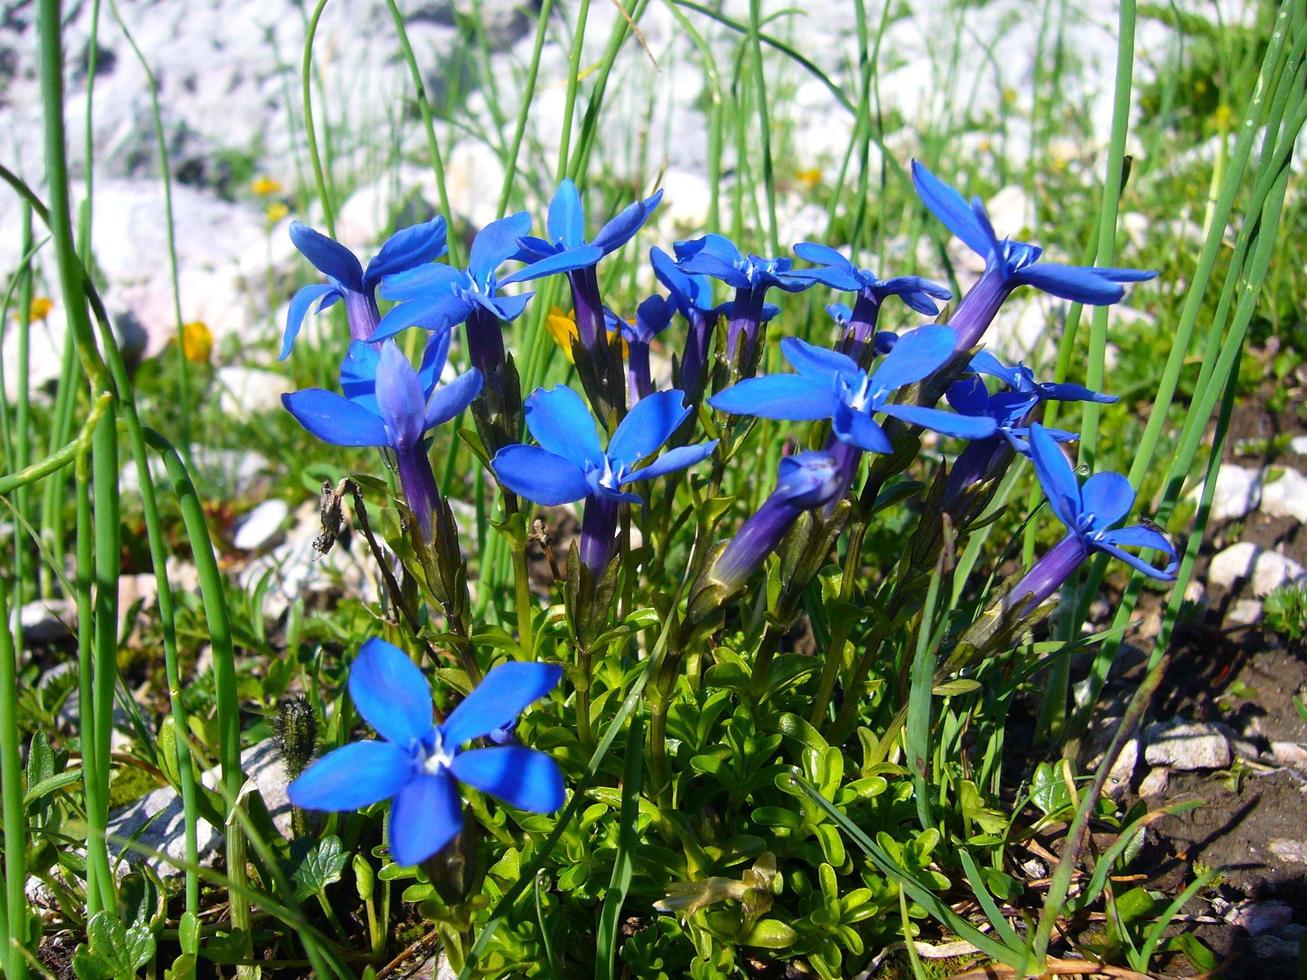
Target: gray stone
[261,526]
[1298,444]
[1286,496]
[48,620]
[246,392]
[1237,494]
[1266,570]
[1153,786]
[1293,851]
[157,824]
[1244,612]
[1187,746]
[1289,754]
[1122,772]
[1259,918]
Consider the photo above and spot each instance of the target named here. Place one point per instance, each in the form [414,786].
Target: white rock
[1298,444]
[1293,851]
[1286,496]
[1187,746]
[48,620]
[229,472]
[1123,770]
[1154,784]
[160,815]
[1238,492]
[261,525]
[1267,570]
[1245,612]
[1289,754]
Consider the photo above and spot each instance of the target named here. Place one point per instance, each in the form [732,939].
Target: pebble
[247,392]
[1298,444]
[1244,612]
[1259,918]
[1153,786]
[1286,496]
[1289,754]
[1187,746]
[1122,772]
[48,620]
[1293,851]
[1238,492]
[261,526]
[1267,570]
[157,816]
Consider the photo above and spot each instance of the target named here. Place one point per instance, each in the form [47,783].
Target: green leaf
[770,934]
[320,865]
[115,951]
[363,877]
[48,785]
[963,685]
[188,932]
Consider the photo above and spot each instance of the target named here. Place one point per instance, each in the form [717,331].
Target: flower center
[436,759]
[860,398]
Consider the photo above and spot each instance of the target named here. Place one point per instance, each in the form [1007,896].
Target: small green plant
[1286,611]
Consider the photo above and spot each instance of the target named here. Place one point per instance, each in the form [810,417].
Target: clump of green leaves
[1286,611]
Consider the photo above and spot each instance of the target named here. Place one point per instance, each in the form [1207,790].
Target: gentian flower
[750,276]
[839,273]
[831,385]
[569,463]
[387,403]
[692,296]
[1009,264]
[567,251]
[418,764]
[1090,513]
[807,480]
[438,297]
[347,280]
[651,318]
[1011,410]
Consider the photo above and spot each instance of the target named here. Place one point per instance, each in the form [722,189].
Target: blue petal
[446,401]
[407,249]
[916,354]
[353,776]
[524,778]
[495,244]
[304,301]
[433,360]
[858,429]
[1108,497]
[560,422]
[949,207]
[1055,476]
[1075,393]
[500,697]
[358,375]
[426,816]
[948,423]
[968,396]
[390,693]
[778,396]
[679,458]
[819,254]
[712,255]
[816,362]
[566,221]
[539,475]
[1124,275]
[619,230]
[1138,536]
[431,311]
[423,279]
[328,256]
[532,249]
[399,396]
[689,292]
[569,260]
[647,426]
[652,317]
[983,362]
[335,419]
[508,307]
[1079,285]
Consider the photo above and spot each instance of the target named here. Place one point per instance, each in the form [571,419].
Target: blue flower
[1009,264]
[830,385]
[388,403]
[750,276]
[881,345]
[568,252]
[569,464]
[1090,513]
[807,480]
[652,317]
[839,273]
[418,764]
[1021,380]
[438,297]
[347,280]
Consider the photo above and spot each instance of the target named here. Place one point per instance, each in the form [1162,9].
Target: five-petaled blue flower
[1090,513]
[347,280]
[831,385]
[1009,264]
[438,297]
[652,317]
[567,251]
[388,403]
[839,273]
[569,464]
[750,276]
[418,764]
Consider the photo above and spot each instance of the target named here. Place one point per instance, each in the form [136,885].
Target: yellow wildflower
[809,178]
[264,186]
[197,342]
[562,327]
[275,211]
[41,307]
